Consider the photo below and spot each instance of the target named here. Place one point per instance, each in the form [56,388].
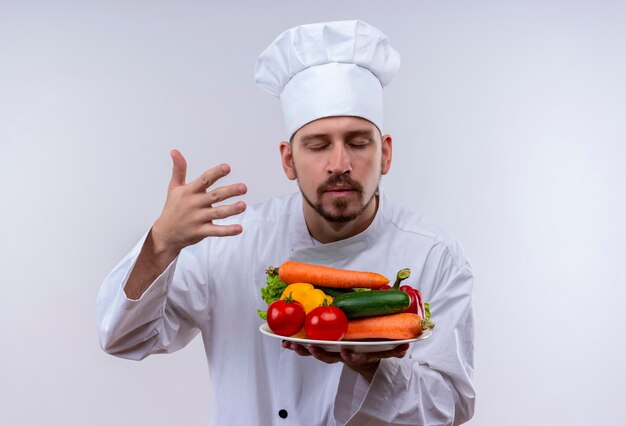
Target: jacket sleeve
[431,385]
[162,319]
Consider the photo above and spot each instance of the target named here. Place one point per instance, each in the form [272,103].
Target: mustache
[343,180]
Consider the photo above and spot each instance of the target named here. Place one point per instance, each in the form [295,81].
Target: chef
[200,267]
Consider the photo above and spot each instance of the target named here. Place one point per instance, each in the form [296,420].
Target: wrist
[367,370]
[158,245]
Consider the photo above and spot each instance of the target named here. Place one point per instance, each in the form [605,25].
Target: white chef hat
[328,69]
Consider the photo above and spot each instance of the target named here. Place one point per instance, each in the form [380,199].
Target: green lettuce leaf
[426,322]
[272,291]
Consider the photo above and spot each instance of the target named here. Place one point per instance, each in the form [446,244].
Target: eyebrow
[356,133]
[348,135]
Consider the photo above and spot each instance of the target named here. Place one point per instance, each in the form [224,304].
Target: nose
[339,161]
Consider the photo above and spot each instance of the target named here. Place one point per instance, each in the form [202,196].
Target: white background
[509,127]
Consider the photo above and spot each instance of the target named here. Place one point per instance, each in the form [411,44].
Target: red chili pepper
[416,306]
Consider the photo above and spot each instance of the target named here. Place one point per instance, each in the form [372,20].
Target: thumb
[179,168]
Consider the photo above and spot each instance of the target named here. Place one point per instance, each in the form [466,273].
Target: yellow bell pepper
[309,296]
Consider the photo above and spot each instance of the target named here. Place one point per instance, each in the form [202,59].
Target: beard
[341,213]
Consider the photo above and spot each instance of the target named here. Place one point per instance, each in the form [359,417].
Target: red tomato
[285,318]
[326,323]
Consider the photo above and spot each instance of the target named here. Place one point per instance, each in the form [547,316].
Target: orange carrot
[396,326]
[296,272]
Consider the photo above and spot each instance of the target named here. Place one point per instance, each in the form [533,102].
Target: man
[182,279]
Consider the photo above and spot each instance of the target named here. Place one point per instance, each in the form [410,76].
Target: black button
[283,414]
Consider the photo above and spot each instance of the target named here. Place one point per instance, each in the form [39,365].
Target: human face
[338,162]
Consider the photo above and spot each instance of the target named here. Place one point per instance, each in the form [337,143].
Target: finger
[356,358]
[211,230]
[224,192]
[179,168]
[368,357]
[397,352]
[324,356]
[222,212]
[299,349]
[209,177]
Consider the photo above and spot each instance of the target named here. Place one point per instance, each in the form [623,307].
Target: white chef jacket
[213,288]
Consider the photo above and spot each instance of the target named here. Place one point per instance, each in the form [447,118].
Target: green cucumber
[372,303]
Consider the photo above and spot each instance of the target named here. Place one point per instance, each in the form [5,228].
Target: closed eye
[317,148]
[359,144]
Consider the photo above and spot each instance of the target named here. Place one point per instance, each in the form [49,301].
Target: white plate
[353,345]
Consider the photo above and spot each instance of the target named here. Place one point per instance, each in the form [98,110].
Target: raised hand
[187,218]
[188,214]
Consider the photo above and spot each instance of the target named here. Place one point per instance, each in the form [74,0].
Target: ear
[386,158]
[286,157]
